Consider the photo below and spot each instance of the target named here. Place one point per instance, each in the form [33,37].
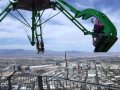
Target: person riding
[98,29]
[40,46]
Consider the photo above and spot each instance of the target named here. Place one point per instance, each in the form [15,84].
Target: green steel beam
[72,18]
[33,28]
[34,14]
[5,14]
[6,11]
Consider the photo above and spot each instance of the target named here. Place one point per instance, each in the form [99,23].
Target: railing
[28,81]
[21,81]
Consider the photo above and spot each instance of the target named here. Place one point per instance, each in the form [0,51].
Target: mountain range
[22,52]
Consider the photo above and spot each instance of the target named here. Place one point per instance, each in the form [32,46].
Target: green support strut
[6,11]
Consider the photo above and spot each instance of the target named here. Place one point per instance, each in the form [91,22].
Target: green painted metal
[5,9]
[34,14]
[109,28]
[33,28]
[72,18]
[5,12]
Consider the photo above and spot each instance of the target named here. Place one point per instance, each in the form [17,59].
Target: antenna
[66,67]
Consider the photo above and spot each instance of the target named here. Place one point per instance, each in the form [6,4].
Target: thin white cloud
[4,3]
[11,28]
[82,6]
[65,36]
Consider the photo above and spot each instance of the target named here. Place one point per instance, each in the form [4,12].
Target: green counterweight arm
[87,13]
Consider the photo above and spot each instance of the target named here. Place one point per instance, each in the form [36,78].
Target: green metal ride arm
[109,28]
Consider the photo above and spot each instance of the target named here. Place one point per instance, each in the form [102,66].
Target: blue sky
[59,34]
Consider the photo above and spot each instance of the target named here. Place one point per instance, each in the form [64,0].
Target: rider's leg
[95,36]
[94,41]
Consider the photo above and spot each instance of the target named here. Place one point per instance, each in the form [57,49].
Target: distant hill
[22,52]
[7,52]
